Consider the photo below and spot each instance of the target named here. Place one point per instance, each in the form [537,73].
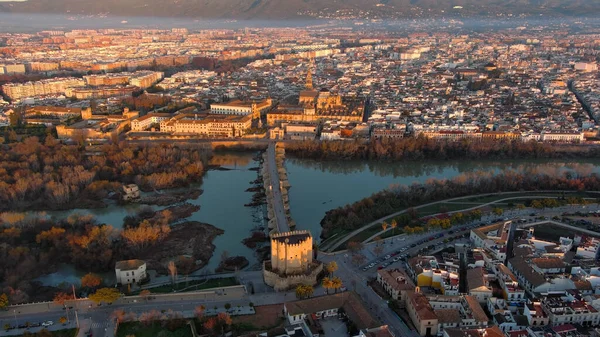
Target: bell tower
[309,82]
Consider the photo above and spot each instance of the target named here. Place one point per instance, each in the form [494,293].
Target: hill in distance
[290,9]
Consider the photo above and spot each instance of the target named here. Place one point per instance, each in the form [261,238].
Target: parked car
[47,323]
[387,257]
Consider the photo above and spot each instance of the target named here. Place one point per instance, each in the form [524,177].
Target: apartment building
[242,108]
[144,122]
[57,86]
[207,125]
[395,282]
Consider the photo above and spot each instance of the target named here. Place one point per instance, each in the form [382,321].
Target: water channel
[316,188]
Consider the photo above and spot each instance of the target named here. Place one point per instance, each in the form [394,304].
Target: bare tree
[172,271]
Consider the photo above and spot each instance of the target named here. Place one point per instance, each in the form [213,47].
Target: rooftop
[129,264]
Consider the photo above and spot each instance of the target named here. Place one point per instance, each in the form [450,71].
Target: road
[335,244]
[278,209]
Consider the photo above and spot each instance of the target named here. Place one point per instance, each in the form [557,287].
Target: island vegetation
[399,197]
[52,175]
[33,246]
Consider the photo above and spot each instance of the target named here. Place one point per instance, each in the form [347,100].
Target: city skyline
[380,170]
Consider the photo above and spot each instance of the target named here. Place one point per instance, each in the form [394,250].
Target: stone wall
[283,283]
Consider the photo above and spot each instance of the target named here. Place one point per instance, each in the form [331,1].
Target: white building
[241,108]
[589,249]
[562,137]
[130,271]
[144,122]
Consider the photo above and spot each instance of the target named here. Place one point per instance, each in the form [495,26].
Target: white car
[47,323]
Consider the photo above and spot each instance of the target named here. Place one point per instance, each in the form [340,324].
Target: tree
[358,259]
[119,315]
[199,311]
[62,320]
[210,324]
[145,294]
[384,226]
[331,267]
[145,234]
[148,318]
[537,204]
[4,301]
[61,298]
[107,295]
[394,224]
[304,291]
[91,280]
[498,211]
[218,324]
[172,271]
[354,246]
[327,284]
[520,206]
[227,306]
[336,283]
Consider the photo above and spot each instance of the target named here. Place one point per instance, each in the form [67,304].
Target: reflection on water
[231,159]
[318,186]
[112,215]
[67,275]
[221,205]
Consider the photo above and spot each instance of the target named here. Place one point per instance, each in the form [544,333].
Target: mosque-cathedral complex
[315,105]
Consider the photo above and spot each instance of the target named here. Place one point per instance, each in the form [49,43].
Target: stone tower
[291,253]
[291,261]
[309,82]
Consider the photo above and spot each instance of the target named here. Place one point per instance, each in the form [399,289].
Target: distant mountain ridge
[289,9]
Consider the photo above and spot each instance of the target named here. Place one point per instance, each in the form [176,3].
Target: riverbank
[189,244]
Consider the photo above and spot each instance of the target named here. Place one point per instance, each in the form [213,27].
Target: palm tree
[394,224]
[384,225]
[331,267]
[336,283]
[327,284]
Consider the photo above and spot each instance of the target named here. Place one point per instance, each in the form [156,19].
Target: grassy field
[196,285]
[57,333]
[138,329]
[458,205]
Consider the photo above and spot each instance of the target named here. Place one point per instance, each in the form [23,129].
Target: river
[316,188]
